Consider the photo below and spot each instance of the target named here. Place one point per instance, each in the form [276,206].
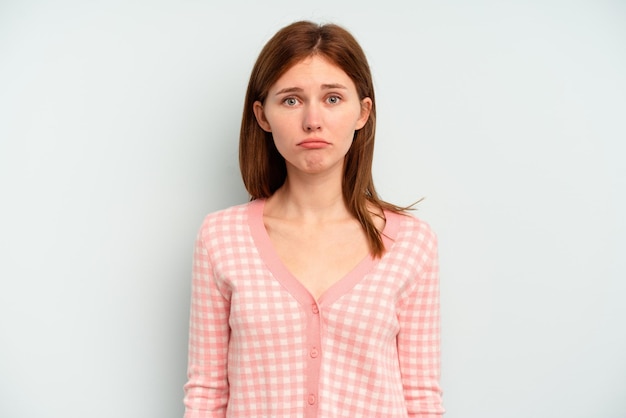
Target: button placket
[314,341]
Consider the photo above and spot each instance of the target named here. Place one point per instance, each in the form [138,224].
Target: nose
[312,119]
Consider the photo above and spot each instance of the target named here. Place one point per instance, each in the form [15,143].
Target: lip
[313,143]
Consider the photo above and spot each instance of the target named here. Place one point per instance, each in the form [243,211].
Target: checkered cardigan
[260,345]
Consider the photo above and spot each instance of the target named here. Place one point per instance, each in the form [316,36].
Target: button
[314,353]
[311,399]
[315,309]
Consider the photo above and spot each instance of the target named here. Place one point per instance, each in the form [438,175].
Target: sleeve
[419,336]
[206,390]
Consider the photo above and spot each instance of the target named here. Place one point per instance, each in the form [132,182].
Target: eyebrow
[298,89]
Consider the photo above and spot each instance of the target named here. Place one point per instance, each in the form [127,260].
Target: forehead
[311,71]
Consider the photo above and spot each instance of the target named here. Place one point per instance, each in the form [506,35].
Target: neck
[309,198]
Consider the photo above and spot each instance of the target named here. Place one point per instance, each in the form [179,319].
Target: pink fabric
[261,346]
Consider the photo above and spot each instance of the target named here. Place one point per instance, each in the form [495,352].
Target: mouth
[313,143]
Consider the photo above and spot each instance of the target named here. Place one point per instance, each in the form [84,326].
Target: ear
[259,114]
[366,108]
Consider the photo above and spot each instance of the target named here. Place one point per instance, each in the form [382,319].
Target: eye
[290,101]
[333,99]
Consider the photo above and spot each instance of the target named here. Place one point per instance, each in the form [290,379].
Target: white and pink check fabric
[261,346]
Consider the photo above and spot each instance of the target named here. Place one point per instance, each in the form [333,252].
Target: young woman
[316,298]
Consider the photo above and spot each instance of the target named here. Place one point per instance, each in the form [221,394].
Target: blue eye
[334,99]
[290,101]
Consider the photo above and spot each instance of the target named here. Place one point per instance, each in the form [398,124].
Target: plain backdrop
[119,125]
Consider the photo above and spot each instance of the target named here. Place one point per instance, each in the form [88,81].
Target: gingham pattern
[261,346]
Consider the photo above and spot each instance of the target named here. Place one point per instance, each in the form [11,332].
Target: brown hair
[262,167]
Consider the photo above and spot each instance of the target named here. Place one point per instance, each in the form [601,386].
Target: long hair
[263,168]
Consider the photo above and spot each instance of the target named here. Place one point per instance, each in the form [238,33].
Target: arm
[418,339]
[206,390]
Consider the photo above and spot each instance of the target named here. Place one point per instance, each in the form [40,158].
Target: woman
[317,298]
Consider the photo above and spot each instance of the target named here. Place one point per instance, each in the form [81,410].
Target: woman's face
[312,112]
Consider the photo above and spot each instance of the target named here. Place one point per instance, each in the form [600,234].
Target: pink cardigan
[260,345]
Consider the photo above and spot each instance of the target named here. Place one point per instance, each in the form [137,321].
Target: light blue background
[118,132]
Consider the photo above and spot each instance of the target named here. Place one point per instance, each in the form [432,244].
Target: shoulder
[225,222]
[411,233]
[226,215]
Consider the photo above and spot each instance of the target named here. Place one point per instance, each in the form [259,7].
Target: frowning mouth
[313,143]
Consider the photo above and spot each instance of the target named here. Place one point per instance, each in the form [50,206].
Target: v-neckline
[293,285]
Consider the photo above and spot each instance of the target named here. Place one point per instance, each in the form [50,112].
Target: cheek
[348,124]
[280,124]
